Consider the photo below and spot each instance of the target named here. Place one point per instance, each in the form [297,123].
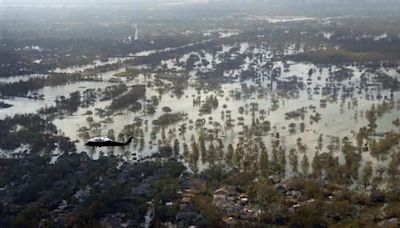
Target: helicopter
[106,142]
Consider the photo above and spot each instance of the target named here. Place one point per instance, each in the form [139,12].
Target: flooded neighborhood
[261,116]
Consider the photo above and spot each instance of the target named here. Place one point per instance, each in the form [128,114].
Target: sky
[97,2]
[157,3]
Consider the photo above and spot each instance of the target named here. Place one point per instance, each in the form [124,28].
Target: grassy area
[339,56]
[128,73]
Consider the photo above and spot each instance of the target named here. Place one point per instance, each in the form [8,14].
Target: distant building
[135,32]
[134,35]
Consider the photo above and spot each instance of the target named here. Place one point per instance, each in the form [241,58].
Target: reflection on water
[96,63]
[20,78]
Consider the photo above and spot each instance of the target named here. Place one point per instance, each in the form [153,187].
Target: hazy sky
[156,3]
[94,2]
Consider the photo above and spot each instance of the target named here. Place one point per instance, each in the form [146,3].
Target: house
[295,195]
[243,199]
[227,191]
[234,203]
[188,195]
[186,219]
[115,220]
[225,197]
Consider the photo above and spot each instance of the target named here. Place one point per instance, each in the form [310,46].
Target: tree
[220,150]
[274,155]
[371,117]
[393,169]
[255,154]
[111,134]
[176,147]
[163,135]
[195,152]
[320,142]
[294,160]
[238,156]
[185,151]
[310,71]
[305,165]
[367,173]
[141,143]
[264,193]
[211,154]
[361,135]
[166,109]
[317,166]
[264,162]
[203,150]
[282,160]
[229,155]
[308,216]
[352,160]
[90,121]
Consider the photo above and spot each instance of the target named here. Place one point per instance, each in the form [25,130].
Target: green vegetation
[129,72]
[242,137]
[64,105]
[338,56]
[23,88]
[39,134]
[169,118]
[112,92]
[129,99]
[382,148]
[4,105]
[87,188]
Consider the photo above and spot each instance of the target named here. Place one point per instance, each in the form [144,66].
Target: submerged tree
[320,142]
[220,151]
[317,166]
[176,147]
[195,152]
[393,168]
[186,152]
[238,156]
[229,155]
[294,160]
[282,161]
[211,156]
[352,160]
[203,150]
[305,165]
[264,162]
[111,134]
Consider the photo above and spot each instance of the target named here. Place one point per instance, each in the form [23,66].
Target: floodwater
[275,20]
[340,118]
